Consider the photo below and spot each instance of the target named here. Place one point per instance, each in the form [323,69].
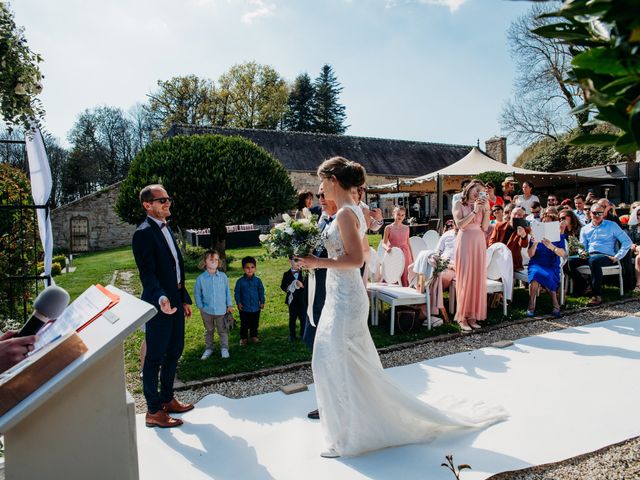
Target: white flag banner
[41,185]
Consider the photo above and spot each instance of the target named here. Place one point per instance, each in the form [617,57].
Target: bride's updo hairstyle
[348,174]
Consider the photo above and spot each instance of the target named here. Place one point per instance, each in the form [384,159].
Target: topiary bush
[214,180]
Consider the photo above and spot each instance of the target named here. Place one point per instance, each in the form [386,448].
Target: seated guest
[544,267]
[536,212]
[552,200]
[609,211]
[514,238]
[508,208]
[498,217]
[634,234]
[566,203]
[599,239]
[446,249]
[570,222]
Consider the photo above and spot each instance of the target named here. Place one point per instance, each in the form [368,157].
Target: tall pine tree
[328,114]
[299,116]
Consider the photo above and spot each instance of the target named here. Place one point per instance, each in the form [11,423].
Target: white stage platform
[568,392]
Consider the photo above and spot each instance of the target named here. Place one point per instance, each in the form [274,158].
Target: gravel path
[620,461]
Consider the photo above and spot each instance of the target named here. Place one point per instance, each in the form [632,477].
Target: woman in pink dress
[397,235]
[471,214]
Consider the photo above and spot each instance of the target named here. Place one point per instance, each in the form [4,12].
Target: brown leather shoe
[161,419]
[176,406]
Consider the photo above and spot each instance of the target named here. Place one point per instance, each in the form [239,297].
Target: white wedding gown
[361,408]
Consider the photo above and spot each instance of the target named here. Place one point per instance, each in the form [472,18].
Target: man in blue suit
[161,271]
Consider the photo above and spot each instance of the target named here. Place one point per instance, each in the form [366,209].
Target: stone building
[90,223]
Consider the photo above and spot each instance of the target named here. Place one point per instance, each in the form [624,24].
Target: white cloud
[259,8]
[453,5]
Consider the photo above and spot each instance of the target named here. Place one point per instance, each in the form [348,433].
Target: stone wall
[105,229]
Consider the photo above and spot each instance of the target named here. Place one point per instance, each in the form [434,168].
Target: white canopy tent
[474,163]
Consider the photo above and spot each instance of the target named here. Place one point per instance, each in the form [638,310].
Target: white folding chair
[431,239]
[417,245]
[611,270]
[374,265]
[393,266]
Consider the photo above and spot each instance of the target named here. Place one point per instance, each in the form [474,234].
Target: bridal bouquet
[293,237]
[439,263]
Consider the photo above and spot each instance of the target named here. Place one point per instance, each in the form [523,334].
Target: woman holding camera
[471,215]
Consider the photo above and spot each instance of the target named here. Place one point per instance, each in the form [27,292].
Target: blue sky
[428,70]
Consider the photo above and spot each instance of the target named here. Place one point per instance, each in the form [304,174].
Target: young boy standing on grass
[249,295]
[294,284]
[213,298]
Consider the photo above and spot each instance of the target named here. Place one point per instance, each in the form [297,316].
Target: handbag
[229,321]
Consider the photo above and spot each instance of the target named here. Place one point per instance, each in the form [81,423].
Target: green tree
[187,99]
[299,116]
[251,95]
[103,145]
[215,180]
[554,155]
[543,97]
[604,37]
[20,77]
[328,114]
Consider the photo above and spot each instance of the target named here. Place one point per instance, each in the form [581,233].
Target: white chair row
[390,290]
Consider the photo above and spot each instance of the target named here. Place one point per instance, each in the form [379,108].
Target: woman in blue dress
[544,267]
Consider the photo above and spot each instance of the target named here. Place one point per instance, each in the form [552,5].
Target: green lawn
[275,349]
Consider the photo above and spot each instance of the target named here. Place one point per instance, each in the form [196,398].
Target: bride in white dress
[361,408]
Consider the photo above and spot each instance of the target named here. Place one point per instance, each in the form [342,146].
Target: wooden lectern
[81,423]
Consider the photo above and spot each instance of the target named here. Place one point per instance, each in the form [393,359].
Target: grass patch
[275,349]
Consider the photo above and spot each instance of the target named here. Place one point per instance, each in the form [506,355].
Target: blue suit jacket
[157,267]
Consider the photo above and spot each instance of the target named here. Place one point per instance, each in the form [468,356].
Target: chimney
[496,148]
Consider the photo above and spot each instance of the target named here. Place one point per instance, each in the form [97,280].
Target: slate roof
[298,151]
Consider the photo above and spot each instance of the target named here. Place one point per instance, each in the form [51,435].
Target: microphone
[49,305]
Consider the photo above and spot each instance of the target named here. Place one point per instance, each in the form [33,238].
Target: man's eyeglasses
[535,211]
[162,200]
[320,195]
[496,210]
[597,214]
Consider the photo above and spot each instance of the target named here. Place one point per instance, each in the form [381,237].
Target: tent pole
[440,202]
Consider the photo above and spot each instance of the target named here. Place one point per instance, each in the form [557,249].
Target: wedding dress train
[361,408]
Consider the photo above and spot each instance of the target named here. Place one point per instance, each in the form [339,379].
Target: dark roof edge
[311,134]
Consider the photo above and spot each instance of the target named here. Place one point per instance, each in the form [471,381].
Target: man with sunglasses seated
[601,239]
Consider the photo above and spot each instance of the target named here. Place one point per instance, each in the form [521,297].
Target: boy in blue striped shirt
[213,298]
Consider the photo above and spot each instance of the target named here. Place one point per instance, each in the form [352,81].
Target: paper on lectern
[84,309]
